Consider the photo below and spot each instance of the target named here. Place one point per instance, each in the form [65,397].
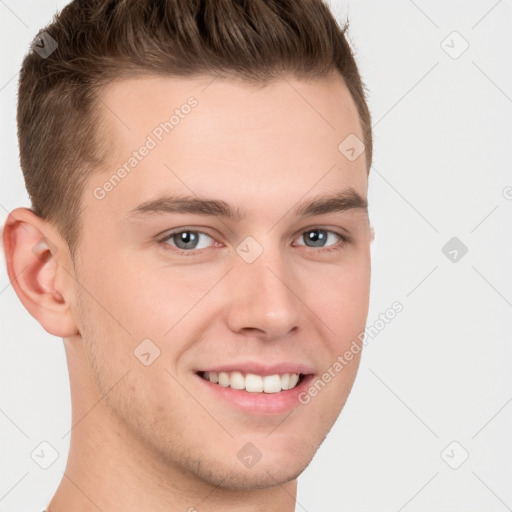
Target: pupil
[186,240]
[317,237]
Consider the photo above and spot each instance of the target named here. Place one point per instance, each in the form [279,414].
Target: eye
[189,242]
[319,238]
[186,240]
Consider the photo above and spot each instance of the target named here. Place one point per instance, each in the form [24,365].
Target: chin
[275,467]
[261,476]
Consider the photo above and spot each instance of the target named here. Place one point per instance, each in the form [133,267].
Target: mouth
[253,383]
[254,388]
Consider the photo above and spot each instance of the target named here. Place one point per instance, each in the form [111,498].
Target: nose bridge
[263,296]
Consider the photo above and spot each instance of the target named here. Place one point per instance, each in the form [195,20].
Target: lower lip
[262,404]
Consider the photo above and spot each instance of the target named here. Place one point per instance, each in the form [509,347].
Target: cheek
[339,295]
[129,297]
[129,357]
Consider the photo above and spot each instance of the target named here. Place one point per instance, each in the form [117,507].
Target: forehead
[215,137]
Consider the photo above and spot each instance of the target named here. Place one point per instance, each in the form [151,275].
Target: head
[194,208]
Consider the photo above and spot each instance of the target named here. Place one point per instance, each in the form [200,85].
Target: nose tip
[263,302]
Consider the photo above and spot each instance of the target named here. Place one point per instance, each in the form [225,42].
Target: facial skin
[153,437]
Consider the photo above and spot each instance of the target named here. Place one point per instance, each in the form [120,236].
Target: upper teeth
[253,383]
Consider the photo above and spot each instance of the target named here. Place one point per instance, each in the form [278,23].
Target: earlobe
[31,246]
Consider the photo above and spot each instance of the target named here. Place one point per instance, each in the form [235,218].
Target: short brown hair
[103,40]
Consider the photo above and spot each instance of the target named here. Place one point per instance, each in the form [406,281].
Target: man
[199,238]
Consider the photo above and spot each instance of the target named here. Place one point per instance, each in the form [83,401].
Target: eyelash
[344,239]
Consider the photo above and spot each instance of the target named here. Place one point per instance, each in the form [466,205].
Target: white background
[441,370]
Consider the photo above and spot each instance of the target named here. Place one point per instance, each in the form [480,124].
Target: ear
[31,246]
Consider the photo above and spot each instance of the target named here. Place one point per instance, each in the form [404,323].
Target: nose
[264,297]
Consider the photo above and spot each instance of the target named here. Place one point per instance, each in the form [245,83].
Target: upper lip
[260,368]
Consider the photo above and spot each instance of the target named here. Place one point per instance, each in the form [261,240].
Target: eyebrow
[339,202]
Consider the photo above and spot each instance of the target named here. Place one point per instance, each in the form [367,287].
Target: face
[207,254]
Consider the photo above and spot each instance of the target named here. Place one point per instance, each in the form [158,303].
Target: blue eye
[187,239]
[319,237]
[188,242]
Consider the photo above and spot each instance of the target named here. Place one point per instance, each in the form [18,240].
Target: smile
[253,383]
